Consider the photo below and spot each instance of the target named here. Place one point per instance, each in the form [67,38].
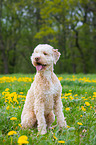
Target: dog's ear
[56,55]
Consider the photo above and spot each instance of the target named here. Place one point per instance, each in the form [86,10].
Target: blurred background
[67,25]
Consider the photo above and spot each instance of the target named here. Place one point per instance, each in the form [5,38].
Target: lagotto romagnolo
[44,96]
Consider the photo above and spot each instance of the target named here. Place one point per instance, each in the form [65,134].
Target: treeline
[67,25]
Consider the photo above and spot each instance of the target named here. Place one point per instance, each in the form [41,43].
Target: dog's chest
[49,99]
[50,88]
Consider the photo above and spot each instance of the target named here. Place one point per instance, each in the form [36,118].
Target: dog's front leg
[58,112]
[39,111]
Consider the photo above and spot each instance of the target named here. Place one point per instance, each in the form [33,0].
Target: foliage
[67,25]
[78,97]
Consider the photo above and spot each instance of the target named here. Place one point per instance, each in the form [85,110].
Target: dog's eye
[44,53]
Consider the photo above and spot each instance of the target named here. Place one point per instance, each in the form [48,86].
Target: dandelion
[83,97]
[23,140]
[23,100]
[19,125]
[55,137]
[94,94]
[90,107]
[68,126]
[60,78]
[67,109]
[7,89]
[61,141]
[21,93]
[83,109]
[87,103]
[7,107]
[12,133]
[92,99]
[71,97]
[68,94]
[13,118]
[75,95]
[65,97]
[70,90]
[79,123]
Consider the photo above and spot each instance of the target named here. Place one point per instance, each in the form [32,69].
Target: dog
[44,96]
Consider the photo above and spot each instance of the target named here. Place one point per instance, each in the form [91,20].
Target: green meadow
[79,102]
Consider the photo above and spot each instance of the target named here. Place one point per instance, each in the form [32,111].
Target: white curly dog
[44,96]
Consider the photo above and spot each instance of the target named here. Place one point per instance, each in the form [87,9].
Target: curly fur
[44,96]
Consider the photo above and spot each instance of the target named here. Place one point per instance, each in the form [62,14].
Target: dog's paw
[63,124]
[42,132]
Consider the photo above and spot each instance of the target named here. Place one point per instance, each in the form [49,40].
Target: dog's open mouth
[40,66]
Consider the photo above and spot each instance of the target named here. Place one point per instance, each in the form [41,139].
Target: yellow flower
[60,78]
[71,97]
[92,99]
[23,100]
[21,93]
[83,97]
[90,107]
[12,132]
[13,118]
[79,123]
[55,137]
[20,125]
[70,90]
[68,126]
[87,103]
[61,141]
[83,109]
[7,107]
[23,140]
[75,95]
[68,94]
[64,97]
[80,115]
[67,109]
[7,89]
[94,94]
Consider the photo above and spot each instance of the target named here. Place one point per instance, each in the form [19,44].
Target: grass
[78,97]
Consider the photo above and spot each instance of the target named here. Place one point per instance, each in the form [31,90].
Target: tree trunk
[80,50]
[94,25]
[5,62]
[3,54]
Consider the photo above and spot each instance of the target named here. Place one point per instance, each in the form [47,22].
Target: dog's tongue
[38,67]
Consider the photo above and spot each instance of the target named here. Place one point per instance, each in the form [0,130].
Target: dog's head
[44,56]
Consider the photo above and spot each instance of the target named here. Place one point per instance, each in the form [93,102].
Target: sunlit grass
[78,97]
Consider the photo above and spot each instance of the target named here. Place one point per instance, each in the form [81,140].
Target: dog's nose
[37,58]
